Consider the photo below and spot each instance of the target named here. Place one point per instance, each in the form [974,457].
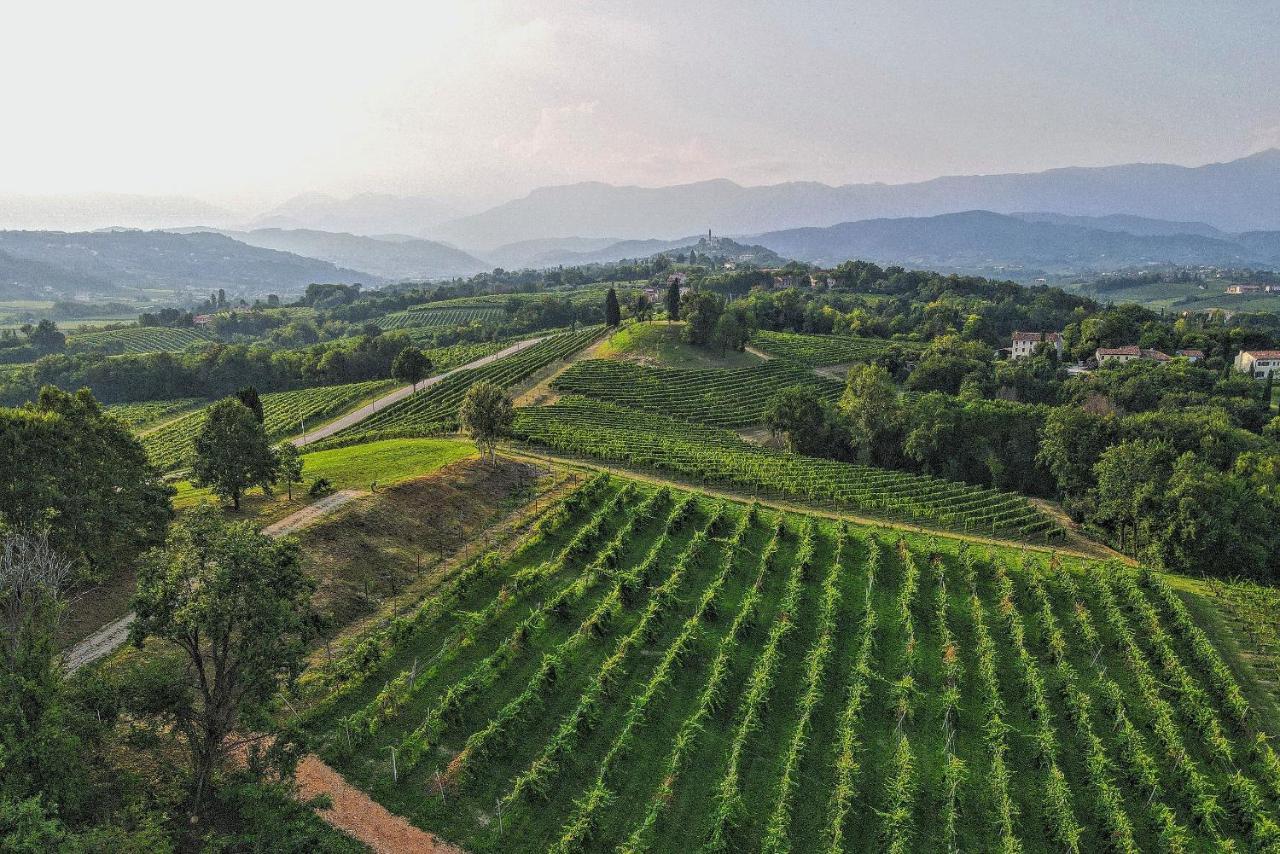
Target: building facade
[1024,343]
[1258,364]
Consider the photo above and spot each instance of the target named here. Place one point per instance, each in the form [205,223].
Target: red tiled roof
[1192,353]
[1263,354]
[1037,337]
[1119,351]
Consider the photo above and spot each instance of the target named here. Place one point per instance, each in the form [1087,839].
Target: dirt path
[363,818]
[113,634]
[1091,550]
[355,416]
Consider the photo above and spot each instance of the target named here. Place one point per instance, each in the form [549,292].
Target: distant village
[1259,364]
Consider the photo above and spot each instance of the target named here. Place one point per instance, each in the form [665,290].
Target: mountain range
[1236,196]
[56,264]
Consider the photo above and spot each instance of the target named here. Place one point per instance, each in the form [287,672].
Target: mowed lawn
[357,467]
[658,343]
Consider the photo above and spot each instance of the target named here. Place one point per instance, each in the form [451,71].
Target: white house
[1259,364]
[1024,343]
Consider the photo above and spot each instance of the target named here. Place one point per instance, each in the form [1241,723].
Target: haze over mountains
[1072,220]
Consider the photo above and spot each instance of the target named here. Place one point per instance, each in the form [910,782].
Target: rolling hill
[400,258]
[93,263]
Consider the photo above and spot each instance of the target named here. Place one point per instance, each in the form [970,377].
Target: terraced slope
[142,339]
[589,428]
[722,398]
[437,317]
[170,445]
[656,671]
[435,409]
[818,350]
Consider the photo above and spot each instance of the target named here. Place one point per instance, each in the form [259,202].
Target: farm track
[369,409]
[359,816]
[106,639]
[1081,548]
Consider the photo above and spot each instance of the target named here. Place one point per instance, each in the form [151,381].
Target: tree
[84,479]
[702,312]
[486,415]
[797,414]
[641,308]
[673,299]
[249,397]
[222,297]
[1133,492]
[870,403]
[411,366]
[232,453]
[612,312]
[237,605]
[39,748]
[733,328]
[290,461]
[46,337]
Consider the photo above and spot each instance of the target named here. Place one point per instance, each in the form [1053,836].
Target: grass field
[388,462]
[656,671]
[658,343]
[717,396]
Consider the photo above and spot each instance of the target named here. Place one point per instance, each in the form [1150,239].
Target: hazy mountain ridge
[103,262]
[400,257]
[364,214]
[1235,196]
[987,241]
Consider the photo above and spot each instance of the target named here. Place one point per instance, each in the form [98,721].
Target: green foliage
[411,366]
[289,466]
[77,471]
[486,415]
[237,605]
[612,311]
[720,397]
[818,350]
[232,452]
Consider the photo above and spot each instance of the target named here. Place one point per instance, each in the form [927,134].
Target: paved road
[112,635]
[358,415]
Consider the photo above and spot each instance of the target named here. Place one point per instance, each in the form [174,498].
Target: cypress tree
[612,313]
[673,300]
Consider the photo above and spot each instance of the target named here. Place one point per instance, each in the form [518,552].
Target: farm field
[141,339]
[819,350]
[435,408]
[720,397]
[654,670]
[437,317]
[581,427]
[658,343]
[169,445]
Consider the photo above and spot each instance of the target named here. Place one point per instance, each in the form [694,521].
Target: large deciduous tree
[411,366]
[237,605]
[78,473]
[290,463]
[232,452]
[870,403]
[486,415]
[797,414]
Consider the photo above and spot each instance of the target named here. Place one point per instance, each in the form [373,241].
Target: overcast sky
[246,103]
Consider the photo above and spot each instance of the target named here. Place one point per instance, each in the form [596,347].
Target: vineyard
[141,339]
[817,350]
[435,408]
[141,416]
[652,670]
[709,455]
[438,317]
[722,398]
[170,445]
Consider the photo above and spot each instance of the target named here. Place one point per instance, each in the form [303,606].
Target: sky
[245,104]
